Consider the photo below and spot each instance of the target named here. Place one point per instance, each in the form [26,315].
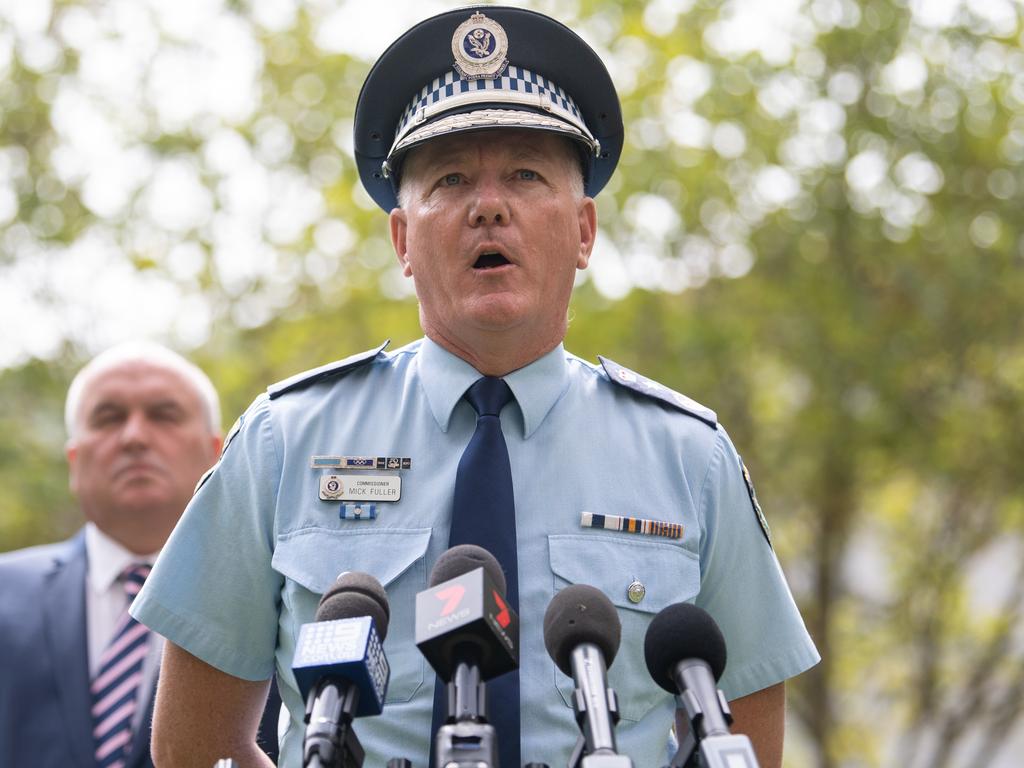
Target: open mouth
[490,260]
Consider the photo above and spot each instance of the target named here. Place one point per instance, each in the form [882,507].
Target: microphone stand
[708,743]
[331,741]
[467,739]
[595,746]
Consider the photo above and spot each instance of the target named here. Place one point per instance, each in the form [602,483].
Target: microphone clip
[580,758]
[466,744]
[581,709]
[721,750]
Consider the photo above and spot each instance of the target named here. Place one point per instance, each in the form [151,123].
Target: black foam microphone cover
[682,631]
[580,614]
[356,594]
[463,559]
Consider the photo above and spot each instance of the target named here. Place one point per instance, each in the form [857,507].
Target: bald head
[142,425]
[157,356]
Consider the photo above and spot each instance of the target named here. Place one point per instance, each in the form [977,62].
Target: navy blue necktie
[484,514]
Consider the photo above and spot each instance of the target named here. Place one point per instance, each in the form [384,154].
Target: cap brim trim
[491,118]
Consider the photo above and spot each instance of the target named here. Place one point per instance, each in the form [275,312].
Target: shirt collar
[107,559]
[537,386]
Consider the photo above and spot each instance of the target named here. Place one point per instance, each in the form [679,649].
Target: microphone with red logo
[582,633]
[468,633]
[341,670]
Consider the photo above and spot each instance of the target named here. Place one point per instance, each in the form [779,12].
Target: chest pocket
[311,559]
[669,574]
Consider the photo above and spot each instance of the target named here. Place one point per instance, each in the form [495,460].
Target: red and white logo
[503,618]
[453,596]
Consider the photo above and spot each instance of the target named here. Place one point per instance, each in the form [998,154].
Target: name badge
[361,487]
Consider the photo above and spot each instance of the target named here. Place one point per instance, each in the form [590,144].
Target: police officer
[484,133]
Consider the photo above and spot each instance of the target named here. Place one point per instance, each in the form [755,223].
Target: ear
[587,217]
[71,451]
[399,225]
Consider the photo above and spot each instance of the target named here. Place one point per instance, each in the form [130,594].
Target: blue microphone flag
[345,648]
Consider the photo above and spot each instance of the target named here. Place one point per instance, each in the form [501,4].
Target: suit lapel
[66,640]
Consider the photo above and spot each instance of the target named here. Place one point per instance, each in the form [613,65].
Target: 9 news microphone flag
[484,513]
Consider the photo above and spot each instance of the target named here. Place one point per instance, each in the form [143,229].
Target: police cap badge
[481,68]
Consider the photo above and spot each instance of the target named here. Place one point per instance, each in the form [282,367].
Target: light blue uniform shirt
[257,546]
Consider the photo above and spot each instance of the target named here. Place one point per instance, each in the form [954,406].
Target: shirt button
[635,591]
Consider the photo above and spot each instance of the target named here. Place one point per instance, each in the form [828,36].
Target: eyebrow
[456,152]
[114,406]
[166,405]
[105,406]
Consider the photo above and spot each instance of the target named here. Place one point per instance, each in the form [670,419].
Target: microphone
[582,633]
[469,634]
[341,670]
[686,654]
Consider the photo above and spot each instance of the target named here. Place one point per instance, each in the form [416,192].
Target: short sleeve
[213,591]
[743,587]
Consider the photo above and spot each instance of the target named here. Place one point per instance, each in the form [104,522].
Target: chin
[500,315]
[142,501]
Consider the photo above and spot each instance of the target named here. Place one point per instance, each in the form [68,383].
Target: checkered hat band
[517,87]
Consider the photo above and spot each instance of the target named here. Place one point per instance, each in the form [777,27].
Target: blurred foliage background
[815,230]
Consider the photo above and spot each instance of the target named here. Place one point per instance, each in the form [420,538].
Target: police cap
[479,68]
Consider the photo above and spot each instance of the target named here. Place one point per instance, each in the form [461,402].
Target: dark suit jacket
[44,664]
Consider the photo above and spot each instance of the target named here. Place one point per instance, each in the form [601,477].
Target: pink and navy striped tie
[115,687]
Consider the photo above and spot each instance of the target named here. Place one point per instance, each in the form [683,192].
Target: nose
[135,432]
[489,205]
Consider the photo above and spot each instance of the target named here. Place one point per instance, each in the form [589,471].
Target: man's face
[493,227]
[142,442]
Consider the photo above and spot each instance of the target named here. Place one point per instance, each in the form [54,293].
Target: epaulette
[634,381]
[336,368]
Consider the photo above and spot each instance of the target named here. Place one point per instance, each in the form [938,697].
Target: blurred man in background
[78,673]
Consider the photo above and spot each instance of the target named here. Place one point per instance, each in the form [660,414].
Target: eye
[106,416]
[169,414]
[451,180]
[527,175]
